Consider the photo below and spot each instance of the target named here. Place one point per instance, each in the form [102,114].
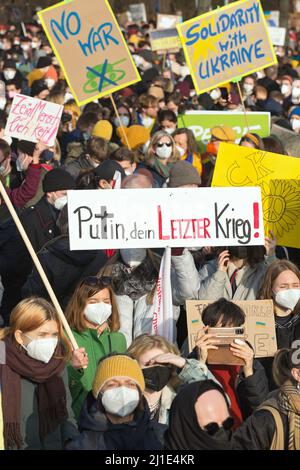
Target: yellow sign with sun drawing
[226,43]
[279,179]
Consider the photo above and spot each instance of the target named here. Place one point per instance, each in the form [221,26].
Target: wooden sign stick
[118,116]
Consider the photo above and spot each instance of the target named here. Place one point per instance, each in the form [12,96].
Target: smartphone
[225,336]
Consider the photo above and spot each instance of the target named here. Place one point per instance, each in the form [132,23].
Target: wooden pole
[121,125]
[164,60]
[243,104]
[38,265]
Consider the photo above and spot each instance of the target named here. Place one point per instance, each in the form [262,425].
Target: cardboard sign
[124,18]
[167,21]
[259,326]
[277,36]
[272,18]
[241,166]
[33,120]
[226,43]
[201,122]
[165,40]
[88,43]
[138,13]
[148,218]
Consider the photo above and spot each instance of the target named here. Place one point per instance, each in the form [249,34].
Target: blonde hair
[151,155]
[145,342]
[30,314]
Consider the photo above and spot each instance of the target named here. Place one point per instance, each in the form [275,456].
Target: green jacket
[81,381]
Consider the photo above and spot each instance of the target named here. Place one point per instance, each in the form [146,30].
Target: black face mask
[157,377]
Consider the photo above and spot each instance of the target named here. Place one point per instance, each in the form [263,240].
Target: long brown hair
[30,314]
[77,304]
[273,271]
[283,365]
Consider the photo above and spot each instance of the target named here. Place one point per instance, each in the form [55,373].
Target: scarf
[51,393]
[184,432]
[134,283]
[289,403]
[162,170]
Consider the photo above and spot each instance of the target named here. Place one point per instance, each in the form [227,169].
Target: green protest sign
[201,122]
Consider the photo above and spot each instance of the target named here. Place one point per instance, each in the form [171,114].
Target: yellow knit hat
[118,366]
[103,129]
[136,136]
[224,133]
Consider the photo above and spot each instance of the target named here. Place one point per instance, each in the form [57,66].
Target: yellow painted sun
[281,205]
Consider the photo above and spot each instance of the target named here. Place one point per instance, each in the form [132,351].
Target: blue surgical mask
[86,136]
[125,120]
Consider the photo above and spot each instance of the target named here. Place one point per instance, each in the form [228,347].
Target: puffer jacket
[210,283]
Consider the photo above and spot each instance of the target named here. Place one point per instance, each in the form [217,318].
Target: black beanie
[106,170]
[44,62]
[9,64]
[58,180]
[26,147]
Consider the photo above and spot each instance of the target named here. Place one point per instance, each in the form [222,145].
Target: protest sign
[167,21]
[272,18]
[226,43]
[241,166]
[90,48]
[124,18]
[277,36]
[201,122]
[165,40]
[33,119]
[145,218]
[138,13]
[259,324]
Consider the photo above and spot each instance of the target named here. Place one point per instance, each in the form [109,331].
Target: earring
[298,387]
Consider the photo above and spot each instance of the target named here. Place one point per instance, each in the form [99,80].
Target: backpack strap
[278,438]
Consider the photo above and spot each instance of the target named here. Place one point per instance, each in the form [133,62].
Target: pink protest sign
[33,120]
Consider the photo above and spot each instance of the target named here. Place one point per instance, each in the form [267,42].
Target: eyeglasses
[95,281]
[213,428]
[161,144]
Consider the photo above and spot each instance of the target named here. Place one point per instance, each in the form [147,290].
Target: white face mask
[2,169]
[25,47]
[20,165]
[133,257]
[296,93]
[98,313]
[60,202]
[120,401]
[41,349]
[215,95]
[2,103]
[50,82]
[145,147]
[295,124]
[128,172]
[287,298]
[260,75]
[124,121]
[147,121]
[180,150]
[169,130]
[9,74]
[248,89]
[285,89]
[164,152]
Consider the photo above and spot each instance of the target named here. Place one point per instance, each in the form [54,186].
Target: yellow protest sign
[90,48]
[279,179]
[226,43]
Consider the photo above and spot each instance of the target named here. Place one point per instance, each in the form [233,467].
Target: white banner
[149,218]
[33,120]
[277,36]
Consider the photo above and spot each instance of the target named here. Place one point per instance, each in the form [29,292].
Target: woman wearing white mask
[294,117]
[161,154]
[282,284]
[35,397]
[94,318]
[115,415]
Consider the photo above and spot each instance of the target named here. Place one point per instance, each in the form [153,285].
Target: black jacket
[257,432]
[39,221]
[97,433]
[63,268]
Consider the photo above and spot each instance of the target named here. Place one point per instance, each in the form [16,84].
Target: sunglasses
[213,428]
[161,144]
[95,281]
